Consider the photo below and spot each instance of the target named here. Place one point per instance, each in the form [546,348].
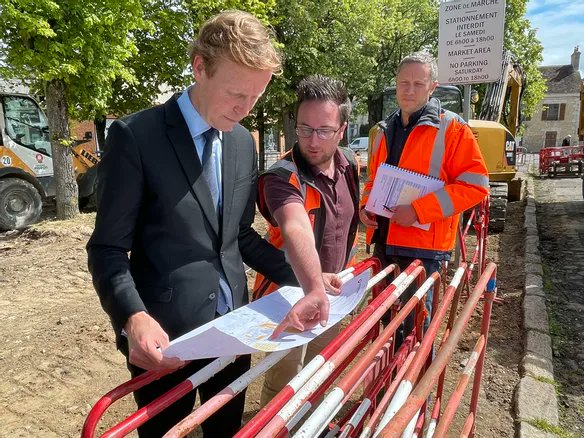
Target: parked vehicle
[26,166]
[360,147]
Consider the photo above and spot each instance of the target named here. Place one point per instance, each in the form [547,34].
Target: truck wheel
[20,204]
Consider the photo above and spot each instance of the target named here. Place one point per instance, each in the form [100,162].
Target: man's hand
[312,309]
[404,215]
[332,283]
[146,340]
[368,219]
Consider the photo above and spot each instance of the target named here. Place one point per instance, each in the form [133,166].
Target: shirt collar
[413,118]
[340,161]
[196,124]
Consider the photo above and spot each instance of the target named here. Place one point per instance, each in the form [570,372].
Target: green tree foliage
[521,40]
[160,61]
[77,49]
[407,26]
[332,38]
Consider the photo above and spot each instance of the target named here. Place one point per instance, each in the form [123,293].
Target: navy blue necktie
[225,300]
[209,167]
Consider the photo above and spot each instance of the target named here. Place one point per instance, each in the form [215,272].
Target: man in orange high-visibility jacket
[311,200]
[422,137]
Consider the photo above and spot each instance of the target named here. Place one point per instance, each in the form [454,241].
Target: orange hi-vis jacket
[440,145]
[294,169]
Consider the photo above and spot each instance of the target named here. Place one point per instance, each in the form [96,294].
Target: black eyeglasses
[322,133]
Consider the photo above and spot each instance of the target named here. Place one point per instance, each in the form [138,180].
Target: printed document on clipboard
[395,186]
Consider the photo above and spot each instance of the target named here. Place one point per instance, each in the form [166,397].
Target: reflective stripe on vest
[440,145]
[476,179]
[445,202]
[438,150]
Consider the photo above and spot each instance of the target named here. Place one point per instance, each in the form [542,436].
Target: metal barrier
[521,152]
[142,415]
[562,161]
[396,385]
[475,258]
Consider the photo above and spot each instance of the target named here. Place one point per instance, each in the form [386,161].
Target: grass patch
[548,285]
[543,425]
[556,329]
[557,385]
[547,380]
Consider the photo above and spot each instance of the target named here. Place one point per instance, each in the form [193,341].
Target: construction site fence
[361,384]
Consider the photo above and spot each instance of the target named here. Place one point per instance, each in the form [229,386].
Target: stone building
[558,114]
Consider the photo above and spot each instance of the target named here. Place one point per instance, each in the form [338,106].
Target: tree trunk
[100,132]
[261,126]
[375,109]
[288,124]
[65,183]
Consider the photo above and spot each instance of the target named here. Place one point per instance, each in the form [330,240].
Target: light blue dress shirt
[197,127]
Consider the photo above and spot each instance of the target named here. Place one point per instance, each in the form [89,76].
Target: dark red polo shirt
[339,209]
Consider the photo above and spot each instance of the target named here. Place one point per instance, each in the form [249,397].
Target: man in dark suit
[177,194]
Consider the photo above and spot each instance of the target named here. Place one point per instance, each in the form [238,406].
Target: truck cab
[26,165]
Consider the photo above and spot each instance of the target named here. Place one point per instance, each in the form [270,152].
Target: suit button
[212,296]
[222,255]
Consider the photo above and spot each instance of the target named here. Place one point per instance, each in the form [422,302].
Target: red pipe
[268,412]
[115,394]
[419,395]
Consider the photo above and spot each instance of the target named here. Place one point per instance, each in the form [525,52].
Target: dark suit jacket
[156,205]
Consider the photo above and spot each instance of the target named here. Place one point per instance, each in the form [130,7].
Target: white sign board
[470,41]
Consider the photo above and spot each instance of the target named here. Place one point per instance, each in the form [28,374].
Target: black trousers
[224,423]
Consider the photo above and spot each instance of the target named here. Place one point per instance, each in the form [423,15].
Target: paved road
[560,219]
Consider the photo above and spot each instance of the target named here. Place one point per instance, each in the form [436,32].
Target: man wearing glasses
[310,199]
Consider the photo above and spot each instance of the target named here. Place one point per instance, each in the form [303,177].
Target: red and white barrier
[395,386]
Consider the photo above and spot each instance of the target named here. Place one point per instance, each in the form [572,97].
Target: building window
[550,139]
[553,111]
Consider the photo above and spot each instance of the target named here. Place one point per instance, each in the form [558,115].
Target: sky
[560,27]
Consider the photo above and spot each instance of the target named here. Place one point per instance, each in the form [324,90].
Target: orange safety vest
[440,145]
[294,169]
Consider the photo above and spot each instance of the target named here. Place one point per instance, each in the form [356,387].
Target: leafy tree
[157,64]
[332,38]
[76,49]
[161,62]
[521,40]
[408,26]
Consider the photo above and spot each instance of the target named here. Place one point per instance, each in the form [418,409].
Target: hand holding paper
[395,187]
[404,215]
[248,329]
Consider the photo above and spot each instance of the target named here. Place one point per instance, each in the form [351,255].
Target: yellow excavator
[26,166]
[494,128]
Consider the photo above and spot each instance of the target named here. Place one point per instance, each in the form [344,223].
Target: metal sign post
[466,102]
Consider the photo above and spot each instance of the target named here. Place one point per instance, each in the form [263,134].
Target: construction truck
[26,166]
[495,130]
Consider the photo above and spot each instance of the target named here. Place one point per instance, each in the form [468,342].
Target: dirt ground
[59,357]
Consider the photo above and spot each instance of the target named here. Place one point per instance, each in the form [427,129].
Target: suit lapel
[184,147]
[229,166]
